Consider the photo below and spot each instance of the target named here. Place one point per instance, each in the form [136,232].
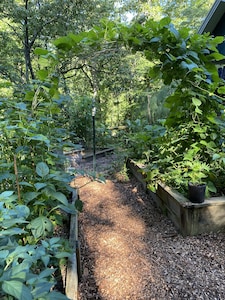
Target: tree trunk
[27,48]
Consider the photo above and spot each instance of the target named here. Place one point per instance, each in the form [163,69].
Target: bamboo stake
[17,178]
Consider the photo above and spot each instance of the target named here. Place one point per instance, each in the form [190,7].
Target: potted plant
[197,171]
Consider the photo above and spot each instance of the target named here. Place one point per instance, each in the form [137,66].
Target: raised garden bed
[87,156]
[189,218]
[70,273]
[76,157]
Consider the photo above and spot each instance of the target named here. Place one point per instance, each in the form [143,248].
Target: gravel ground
[131,251]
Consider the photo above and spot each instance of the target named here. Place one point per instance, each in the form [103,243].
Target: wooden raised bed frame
[73,271]
[189,218]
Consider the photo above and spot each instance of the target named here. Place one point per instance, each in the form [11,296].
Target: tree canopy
[119,76]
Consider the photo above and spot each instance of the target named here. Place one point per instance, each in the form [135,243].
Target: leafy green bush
[140,139]
[35,189]
[194,127]
[26,270]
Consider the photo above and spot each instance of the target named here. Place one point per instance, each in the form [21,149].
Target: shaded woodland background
[117,77]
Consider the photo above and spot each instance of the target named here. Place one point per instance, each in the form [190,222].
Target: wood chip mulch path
[129,250]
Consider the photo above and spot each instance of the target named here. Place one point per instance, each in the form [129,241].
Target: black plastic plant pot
[196,192]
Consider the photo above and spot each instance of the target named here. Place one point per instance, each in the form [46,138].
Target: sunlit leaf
[221,90]
[64,43]
[198,111]
[196,101]
[42,74]
[40,51]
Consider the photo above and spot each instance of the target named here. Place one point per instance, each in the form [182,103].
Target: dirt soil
[129,250]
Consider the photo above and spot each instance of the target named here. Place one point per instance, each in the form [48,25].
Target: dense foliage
[35,189]
[192,147]
[48,91]
[121,87]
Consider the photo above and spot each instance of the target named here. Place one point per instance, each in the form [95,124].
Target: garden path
[129,250]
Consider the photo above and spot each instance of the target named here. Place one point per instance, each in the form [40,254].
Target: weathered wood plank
[72,266]
[189,218]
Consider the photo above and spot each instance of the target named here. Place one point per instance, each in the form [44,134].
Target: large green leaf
[211,187]
[5,194]
[60,197]
[42,74]
[12,222]
[40,226]
[155,40]
[45,259]
[70,209]
[217,56]
[41,289]
[29,196]
[41,138]
[12,231]
[22,211]
[42,169]
[20,270]
[17,289]
[196,101]
[173,30]
[56,295]
[216,156]
[25,183]
[40,185]
[4,254]
[188,65]
[64,43]
[46,273]
[44,62]
[40,51]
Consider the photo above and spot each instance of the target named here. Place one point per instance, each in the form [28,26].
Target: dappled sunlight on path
[115,235]
[130,250]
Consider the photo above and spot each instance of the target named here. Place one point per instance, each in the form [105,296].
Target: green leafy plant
[195,120]
[197,171]
[35,188]
[26,271]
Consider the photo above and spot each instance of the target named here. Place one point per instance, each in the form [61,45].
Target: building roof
[214,16]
